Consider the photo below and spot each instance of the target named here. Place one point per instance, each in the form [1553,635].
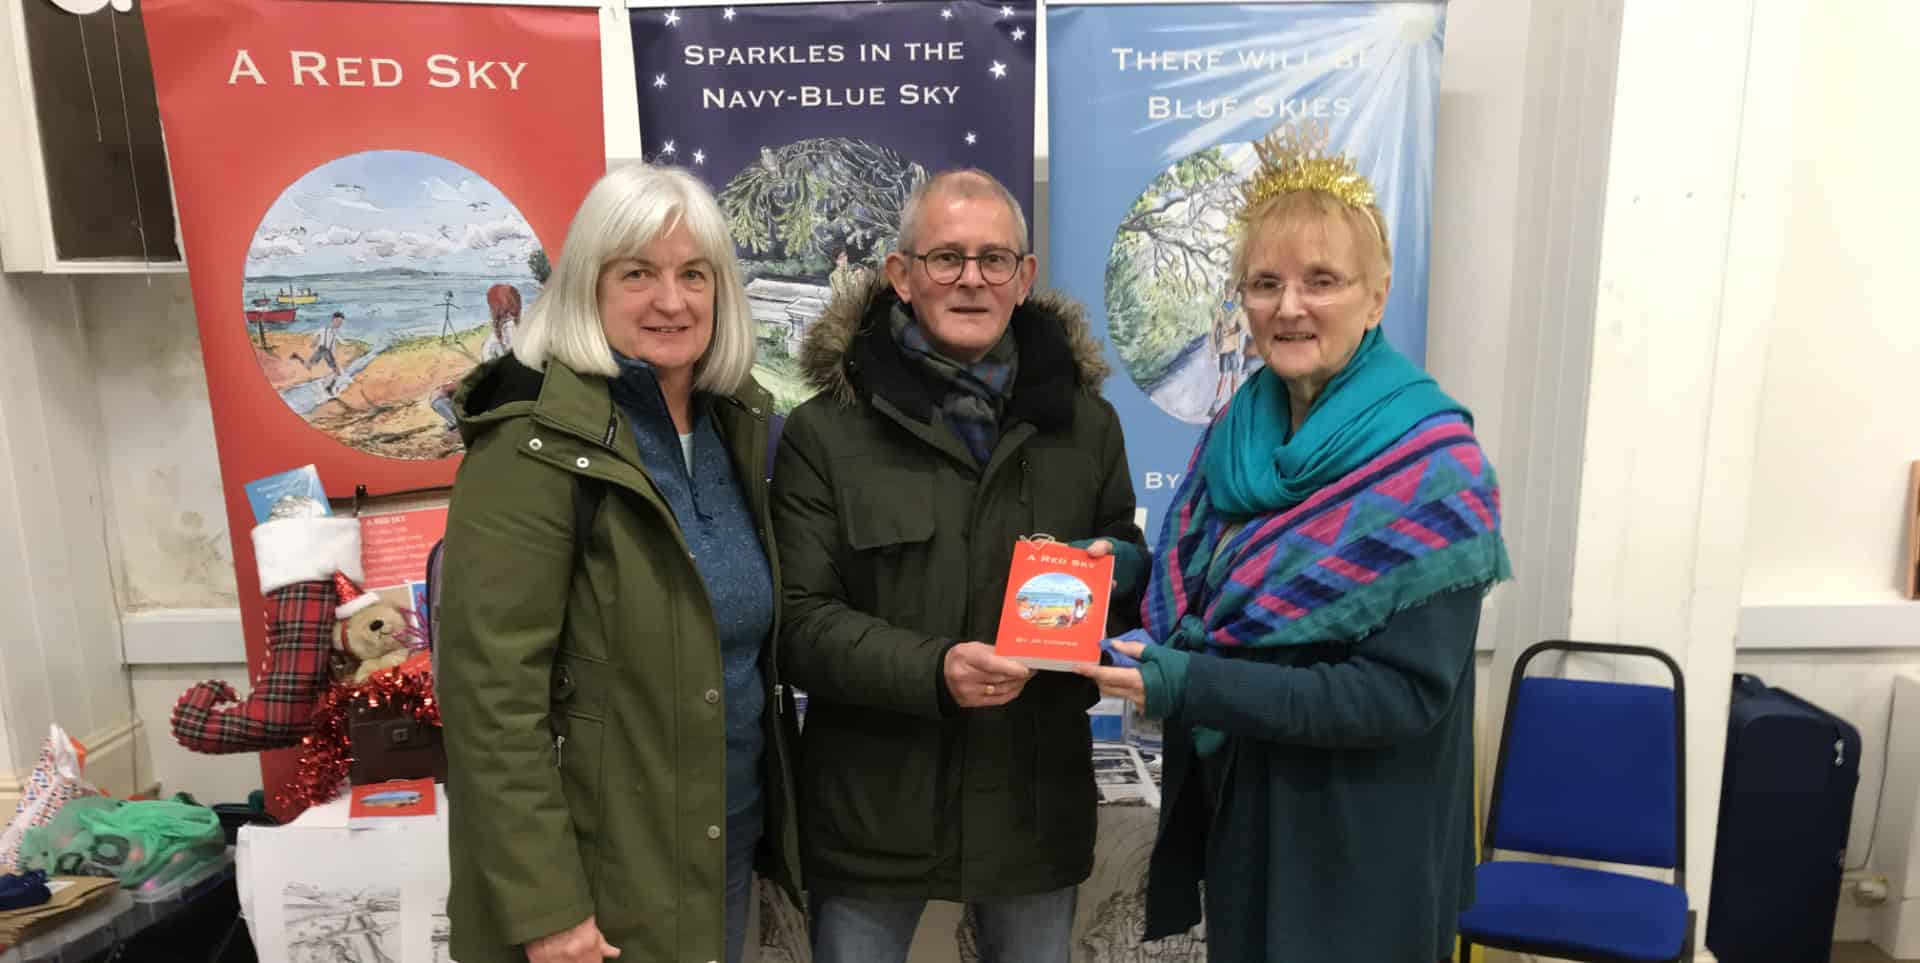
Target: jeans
[743,836]
[1022,929]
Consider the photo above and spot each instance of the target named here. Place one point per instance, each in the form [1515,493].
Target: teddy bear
[373,633]
[307,568]
[296,559]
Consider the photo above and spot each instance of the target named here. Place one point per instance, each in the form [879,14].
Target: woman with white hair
[616,755]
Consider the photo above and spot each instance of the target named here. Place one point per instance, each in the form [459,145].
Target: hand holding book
[979,678]
[1123,678]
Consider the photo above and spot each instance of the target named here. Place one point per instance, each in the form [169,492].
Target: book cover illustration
[295,493]
[1055,611]
[390,803]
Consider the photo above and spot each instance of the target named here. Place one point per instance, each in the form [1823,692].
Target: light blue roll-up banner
[1153,109]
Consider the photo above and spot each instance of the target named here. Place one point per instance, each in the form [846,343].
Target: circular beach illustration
[1172,315]
[1053,600]
[374,283]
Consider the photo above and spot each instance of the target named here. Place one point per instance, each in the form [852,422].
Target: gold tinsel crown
[1293,158]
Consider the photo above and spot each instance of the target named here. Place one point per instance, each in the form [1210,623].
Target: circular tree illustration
[374,283]
[811,218]
[1171,311]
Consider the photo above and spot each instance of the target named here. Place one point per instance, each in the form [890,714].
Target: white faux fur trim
[292,550]
[345,610]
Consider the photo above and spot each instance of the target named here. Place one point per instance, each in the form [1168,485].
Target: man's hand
[579,943]
[978,678]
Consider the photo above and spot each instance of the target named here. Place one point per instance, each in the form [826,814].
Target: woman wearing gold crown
[1311,615]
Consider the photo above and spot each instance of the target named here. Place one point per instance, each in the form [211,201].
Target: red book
[390,803]
[1055,613]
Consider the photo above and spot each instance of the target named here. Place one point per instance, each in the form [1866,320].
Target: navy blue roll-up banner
[812,122]
[1152,111]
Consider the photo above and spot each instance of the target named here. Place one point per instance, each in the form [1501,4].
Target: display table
[316,890]
[116,921]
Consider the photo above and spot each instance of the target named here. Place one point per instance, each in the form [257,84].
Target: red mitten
[297,558]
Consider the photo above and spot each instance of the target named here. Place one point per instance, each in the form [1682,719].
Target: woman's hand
[1125,683]
[579,943]
[1100,547]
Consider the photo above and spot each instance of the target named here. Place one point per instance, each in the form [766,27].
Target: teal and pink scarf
[1382,500]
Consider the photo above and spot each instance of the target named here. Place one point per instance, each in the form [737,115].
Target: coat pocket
[578,722]
[868,785]
[889,527]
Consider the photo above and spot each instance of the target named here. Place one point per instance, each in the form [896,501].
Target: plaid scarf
[1420,518]
[976,394]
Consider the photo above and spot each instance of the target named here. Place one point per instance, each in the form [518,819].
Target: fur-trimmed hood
[1050,328]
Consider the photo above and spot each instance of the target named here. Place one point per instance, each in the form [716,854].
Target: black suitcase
[1786,798]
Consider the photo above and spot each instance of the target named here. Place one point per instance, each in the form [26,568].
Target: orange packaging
[1055,611]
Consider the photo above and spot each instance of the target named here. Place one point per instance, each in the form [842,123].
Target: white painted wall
[1835,429]
[1838,423]
[163,472]
[61,634]
[211,779]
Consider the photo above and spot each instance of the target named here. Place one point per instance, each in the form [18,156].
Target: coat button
[534,444]
[712,696]
[713,832]
[580,462]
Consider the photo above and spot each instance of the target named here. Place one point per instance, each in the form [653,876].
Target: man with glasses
[958,410]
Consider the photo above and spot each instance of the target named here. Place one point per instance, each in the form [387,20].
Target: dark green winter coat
[610,647]
[895,544]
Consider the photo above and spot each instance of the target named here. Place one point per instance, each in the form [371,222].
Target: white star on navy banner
[1018,33]
[998,70]
[728,15]
[673,18]
[699,157]
[972,138]
[1006,12]
[667,150]
[946,15]
[659,80]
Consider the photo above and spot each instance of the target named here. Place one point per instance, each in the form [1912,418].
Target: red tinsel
[325,753]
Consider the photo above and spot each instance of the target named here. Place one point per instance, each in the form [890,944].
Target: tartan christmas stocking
[297,558]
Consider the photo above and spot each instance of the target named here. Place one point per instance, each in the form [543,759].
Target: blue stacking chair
[1594,771]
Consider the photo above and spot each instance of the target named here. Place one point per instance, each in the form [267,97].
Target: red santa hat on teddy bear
[352,599]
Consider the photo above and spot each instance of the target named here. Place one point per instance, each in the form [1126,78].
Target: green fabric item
[1163,673]
[129,840]
[1349,764]
[1252,466]
[566,804]
[1129,564]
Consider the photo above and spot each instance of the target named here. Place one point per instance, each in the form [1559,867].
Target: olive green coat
[896,545]
[579,687]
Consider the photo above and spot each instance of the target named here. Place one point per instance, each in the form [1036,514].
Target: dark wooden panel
[100,134]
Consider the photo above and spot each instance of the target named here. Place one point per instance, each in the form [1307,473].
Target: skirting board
[112,763]
[1880,625]
[182,636]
